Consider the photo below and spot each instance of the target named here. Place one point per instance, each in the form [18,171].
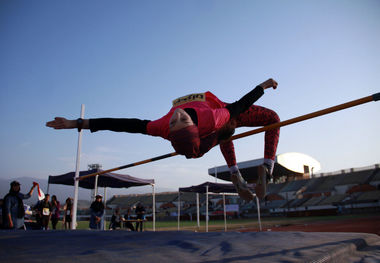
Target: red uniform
[212,114]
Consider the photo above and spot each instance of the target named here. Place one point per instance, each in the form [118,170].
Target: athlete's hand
[61,123]
[270,83]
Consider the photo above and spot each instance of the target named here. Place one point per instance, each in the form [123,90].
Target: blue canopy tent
[212,187]
[112,180]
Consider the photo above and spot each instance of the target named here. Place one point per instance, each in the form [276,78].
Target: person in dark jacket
[140,213]
[116,219]
[55,211]
[97,214]
[127,216]
[13,207]
[45,209]
[67,213]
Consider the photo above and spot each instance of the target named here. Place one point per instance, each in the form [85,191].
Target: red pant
[253,117]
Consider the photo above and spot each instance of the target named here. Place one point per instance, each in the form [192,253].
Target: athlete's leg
[260,116]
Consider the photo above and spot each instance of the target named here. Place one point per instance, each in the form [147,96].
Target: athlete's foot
[241,186]
[262,180]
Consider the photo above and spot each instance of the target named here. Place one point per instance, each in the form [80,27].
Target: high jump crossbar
[374,97]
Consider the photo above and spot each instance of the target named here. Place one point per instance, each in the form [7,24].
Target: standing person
[97,213]
[13,208]
[67,213]
[55,207]
[198,122]
[45,209]
[38,215]
[140,212]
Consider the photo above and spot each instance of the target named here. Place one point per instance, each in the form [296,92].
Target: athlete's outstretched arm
[111,124]
[62,123]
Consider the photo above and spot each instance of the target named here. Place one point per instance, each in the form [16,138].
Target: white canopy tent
[209,188]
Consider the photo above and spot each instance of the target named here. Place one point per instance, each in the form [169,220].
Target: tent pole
[179,207]
[198,219]
[207,208]
[258,212]
[105,208]
[224,212]
[76,179]
[154,208]
[95,187]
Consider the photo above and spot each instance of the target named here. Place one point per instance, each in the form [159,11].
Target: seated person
[116,219]
[128,224]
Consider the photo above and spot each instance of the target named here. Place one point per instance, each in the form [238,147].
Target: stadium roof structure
[286,164]
[112,180]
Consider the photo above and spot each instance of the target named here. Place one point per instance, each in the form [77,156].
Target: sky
[132,58]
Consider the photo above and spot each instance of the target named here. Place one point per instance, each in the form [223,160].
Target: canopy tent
[209,188]
[112,180]
[105,180]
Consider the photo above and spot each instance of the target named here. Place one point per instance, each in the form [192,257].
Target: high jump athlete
[198,122]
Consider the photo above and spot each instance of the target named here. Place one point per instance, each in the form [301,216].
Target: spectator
[38,215]
[55,206]
[67,213]
[116,219]
[97,214]
[128,224]
[13,208]
[45,209]
[140,212]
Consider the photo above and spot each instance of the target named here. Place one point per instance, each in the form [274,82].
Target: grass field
[232,224]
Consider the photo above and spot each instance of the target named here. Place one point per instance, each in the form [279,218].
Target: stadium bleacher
[371,196]
[353,188]
[354,177]
[314,201]
[294,186]
[332,199]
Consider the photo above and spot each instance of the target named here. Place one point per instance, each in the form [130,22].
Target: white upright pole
[96,187]
[206,208]
[258,212]
[224,212]
[198,219]
[179,207]
[154,208]
[105,208]
[76,181]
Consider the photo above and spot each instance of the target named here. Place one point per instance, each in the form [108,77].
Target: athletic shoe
[263,177]
[241,186]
